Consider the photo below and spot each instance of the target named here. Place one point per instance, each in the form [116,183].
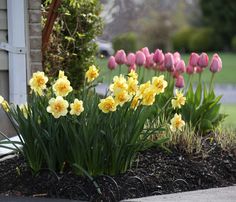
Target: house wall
[34,56]
[5,126]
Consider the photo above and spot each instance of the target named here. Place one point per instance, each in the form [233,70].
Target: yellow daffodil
[179,100]
[133,74]
[143,87]
[159,84]
[24,109]
[148,96]
[132,85]
[58,107]
[119,84]
[38,82]
[1,99]
[122,97]
[176,123]
[134,103]
[61,75]
[76,107]
[62,87]
[107,105]
[92,73]
[5,106]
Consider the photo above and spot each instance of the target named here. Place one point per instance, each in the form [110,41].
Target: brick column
[35,35]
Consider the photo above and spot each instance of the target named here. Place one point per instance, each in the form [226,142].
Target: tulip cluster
[171,63]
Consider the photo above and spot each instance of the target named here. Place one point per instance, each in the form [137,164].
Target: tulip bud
[216,64]
[132,67]
[203,60]
[112,63]
[149,61]
[193,60]
[190,70]
[179,82]
[175,74]
[120,57]
[158,57]
[130,59]
[177,58]
[140,58]
[180,66]
[145,50]
[199,69]
[169,62]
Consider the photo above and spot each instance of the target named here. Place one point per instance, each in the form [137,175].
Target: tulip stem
[119,69]
[212,82]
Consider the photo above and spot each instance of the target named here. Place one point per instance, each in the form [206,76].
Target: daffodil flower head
[61,75]
[107,105]
[92,73]
[176,123]
[132,86]
[133,74]
[143,87]
[148,96]
[5,106]
[38,82]
[62,87]
[122,97]
[135,102]
[76,107]
[24,108]
[179,100]
[159,84]
[58,107]
[1,99]
[119,84]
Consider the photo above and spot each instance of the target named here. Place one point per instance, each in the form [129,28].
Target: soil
[154,172]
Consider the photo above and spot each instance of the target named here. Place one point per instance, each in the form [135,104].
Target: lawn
[229,109]
[226,76]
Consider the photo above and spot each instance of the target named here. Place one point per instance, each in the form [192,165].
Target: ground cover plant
[126,138]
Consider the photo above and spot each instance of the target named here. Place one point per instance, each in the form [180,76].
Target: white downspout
[17,53]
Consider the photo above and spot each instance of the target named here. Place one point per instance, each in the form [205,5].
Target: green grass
[229,109]
[226,76]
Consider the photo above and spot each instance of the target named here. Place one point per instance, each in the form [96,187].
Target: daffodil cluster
[125,90]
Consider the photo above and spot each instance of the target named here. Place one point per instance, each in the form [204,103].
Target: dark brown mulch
[154,172]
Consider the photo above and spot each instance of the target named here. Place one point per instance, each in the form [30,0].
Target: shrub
[126,41]
[180,40]
[203,40]
[233,43]
[71,47]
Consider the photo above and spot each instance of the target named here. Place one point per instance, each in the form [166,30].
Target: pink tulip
[145,50]
[130,60]
[203,60]
[132,67]
[177,58]
[149,61]
[161,68]
[169,62]
[120,57]
[190,70]
[112,63]
[180,66]
[193,60]
[158,57]
[216,64]
[179,82]
[175,74]
[199,69]
[140,58]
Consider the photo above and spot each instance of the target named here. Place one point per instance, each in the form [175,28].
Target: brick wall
[35,35]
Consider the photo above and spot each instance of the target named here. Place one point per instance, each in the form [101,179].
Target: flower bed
[75,144]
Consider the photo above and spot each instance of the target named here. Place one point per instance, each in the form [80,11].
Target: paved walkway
[226,194]
[228,92]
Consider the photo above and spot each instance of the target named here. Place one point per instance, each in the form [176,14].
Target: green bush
[71,47]
[204,39]
[233,43]
[180,40]
[126,41]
